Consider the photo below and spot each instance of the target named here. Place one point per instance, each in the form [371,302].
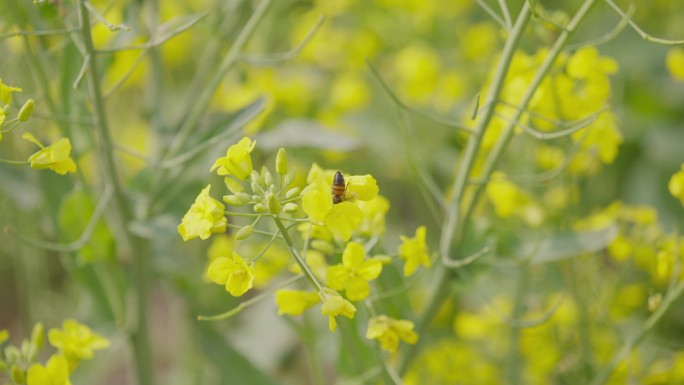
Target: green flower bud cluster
[267,193]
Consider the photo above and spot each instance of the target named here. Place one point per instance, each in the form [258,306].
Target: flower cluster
[54,157]
[74,343]
[329,241]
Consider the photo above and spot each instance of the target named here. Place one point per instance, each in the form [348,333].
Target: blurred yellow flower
[204,218]
[55,372]
[6,93]
[4,335]
[675,63]
[349,92]
[586,63]
[334,305]
[353,274]
[389,331]
[676,185]
[76,341]
[295,302]
[417,68]
[414,252]
[237,161]
[55,156]
[236,273]
[374,211]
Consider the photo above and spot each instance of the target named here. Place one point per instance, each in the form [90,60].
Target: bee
[339,189]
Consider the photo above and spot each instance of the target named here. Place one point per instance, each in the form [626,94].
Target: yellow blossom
[4,335]
[374,211]
[295,302]
[237,161]
[353,274]
[414,252]
[345,217]
[76,341]
[236,273]
[675,63]
[6,93]
[334,305]
[676,185]
[389,331]
[55,156]
[586,63]
[204,217]
[55,372]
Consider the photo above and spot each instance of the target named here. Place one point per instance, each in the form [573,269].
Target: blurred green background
[324,105]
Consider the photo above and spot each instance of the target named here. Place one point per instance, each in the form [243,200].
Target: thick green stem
[450,228]
[295,254]
[134,245]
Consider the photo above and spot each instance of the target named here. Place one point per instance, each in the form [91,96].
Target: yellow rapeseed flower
[76,341]
[353,274]
[345,217]
[295,302]
[236,273]
[4,335]
[676,185]
[55,156]
[334,305]
[675,63]
[414,252]
[55,372]
[204,217]
[6,93]
[237,161]
[389,331]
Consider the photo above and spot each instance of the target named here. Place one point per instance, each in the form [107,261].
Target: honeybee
[339,189]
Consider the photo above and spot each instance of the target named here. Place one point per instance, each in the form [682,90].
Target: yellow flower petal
[295,302]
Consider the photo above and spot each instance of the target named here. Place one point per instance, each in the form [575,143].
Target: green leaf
[566,245]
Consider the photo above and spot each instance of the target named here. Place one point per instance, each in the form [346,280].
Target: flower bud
[257,198]
[257,188]
[232,200]
[273,204]
[243,197]
[260,208]
[281,162]
[289,178]
[244,232]
[26,111]
[267,177]
[290,208]
[38,336]
[233,185]
[17,375]
[291,193]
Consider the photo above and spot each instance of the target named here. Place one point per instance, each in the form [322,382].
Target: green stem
[295,254]
[513,362]
[134,245]
[453,211]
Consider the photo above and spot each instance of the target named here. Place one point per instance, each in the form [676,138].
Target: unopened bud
[17,375]
[273,204]
[260,208]
[233,185]
[26,111]
[243,197]
[281,162]
[38,336]
[290,208]
[291,193]
[257,198]
[268,177]
[232,200]
[244,232]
